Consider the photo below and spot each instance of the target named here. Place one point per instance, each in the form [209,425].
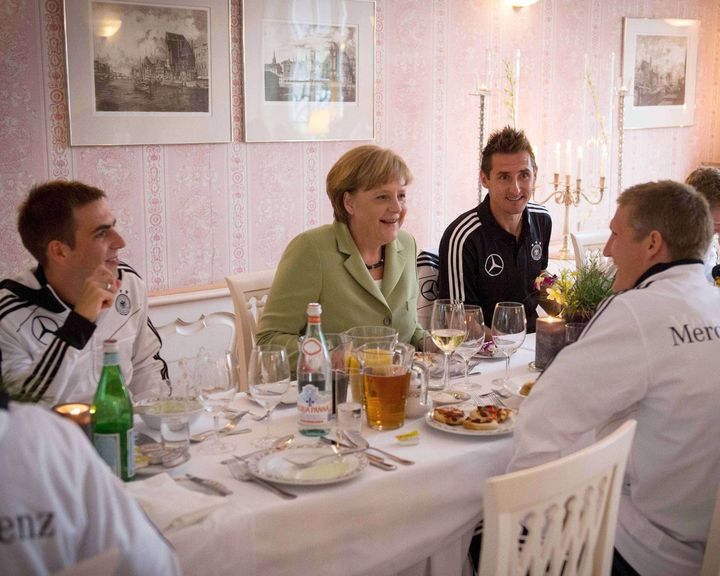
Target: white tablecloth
[416,520]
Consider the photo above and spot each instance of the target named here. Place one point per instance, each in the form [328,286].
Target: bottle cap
[110,347]
[314,309]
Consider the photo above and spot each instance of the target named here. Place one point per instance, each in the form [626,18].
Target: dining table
[415,520]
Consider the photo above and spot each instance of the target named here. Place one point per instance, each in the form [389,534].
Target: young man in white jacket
[652,353]
[55,317]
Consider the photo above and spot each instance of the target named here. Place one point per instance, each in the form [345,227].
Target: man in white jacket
[706,180]
[652,353]
[60,504]
[55,317]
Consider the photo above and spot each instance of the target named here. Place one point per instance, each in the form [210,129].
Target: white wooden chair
[711,562]
[569,508]
[249,291]
[586,243]
[182,340]
[104,564]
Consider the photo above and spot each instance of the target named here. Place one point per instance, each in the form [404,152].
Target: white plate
[489,352]
[275,468]
[504,428]
[445,397]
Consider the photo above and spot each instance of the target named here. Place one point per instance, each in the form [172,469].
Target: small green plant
[577,294]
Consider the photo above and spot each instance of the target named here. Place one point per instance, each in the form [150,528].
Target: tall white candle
[568,158]
[603,160]
[488,68]
[516,106]
[557,157]
[579,162]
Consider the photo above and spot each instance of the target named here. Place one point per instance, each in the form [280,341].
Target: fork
[295,460]
[241,471]
[495,398]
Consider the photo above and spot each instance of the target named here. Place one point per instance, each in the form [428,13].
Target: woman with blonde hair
[360,268]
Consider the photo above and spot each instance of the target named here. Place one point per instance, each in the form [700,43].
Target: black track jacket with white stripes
[480,263]
[50,354]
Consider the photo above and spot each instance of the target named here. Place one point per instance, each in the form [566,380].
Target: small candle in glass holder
[78,412]
[549,339]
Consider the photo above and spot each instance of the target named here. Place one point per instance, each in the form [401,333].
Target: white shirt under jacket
[60,504]
[53,355]
[651,353]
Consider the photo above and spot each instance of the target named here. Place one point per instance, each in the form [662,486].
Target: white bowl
[152,410]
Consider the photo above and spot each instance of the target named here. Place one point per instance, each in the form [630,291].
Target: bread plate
[502,429]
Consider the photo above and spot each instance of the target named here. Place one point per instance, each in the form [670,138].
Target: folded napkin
[169,505]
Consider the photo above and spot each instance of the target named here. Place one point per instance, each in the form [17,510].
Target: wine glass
[269,379]
[447,329]
[508,332]
[216,389]
[475,325]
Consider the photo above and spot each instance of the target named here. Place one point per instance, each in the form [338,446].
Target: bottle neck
[111,359]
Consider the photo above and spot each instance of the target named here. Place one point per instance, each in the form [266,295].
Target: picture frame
[148,71]
[659,72]
[308,70]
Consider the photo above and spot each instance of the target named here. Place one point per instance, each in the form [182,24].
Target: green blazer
[324,265]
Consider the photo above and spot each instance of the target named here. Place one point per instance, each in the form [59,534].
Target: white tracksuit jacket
[53,355]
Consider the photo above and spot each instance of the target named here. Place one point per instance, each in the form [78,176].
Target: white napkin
[169,505]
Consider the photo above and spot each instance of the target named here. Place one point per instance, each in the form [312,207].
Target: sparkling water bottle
[112,417]
[314,403]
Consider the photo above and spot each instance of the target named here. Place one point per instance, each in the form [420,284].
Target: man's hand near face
[98,292]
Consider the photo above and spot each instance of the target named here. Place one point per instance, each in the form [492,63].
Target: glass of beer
[386,375]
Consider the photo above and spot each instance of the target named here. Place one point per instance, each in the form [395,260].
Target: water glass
[573,331]
[175,435]
[349,417]
[269,380]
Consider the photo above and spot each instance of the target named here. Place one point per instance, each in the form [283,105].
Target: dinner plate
[274,468]
[445,397]
[502,429]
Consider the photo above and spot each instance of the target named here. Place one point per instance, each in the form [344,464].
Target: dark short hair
[47,214]
[508,140]
[676,210]
[706,180]
[363,168]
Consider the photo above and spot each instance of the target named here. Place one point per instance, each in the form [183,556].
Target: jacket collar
[395,258]
[662,266]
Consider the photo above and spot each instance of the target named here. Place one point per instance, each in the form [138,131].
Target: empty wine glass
[508,332]
[216,389]
[447,329]
[475,326]
[269,379]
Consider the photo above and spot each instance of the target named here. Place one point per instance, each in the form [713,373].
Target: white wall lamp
[519,4]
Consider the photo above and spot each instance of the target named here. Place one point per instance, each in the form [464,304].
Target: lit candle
[77,412]
[516,107]
[557,157]
[579,162]
[568,158]
[488,68]
[549,340]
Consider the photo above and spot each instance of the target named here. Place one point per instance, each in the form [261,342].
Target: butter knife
[212,484]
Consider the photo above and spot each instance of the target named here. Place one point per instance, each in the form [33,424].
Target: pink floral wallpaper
[192,214]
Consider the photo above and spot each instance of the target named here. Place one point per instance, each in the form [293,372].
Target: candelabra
[568,196]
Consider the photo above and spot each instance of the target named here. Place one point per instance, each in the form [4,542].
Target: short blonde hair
[677,211]
[363,168]
[706,180]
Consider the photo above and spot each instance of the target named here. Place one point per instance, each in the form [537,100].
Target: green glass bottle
[112,417]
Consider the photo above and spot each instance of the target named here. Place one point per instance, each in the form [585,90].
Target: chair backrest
[104,564]
[586,243]
[711,562]
[569,508]
[182,340]
[249,291]
[428,265]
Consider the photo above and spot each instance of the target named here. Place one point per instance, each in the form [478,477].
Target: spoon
[224,430]
[358,441]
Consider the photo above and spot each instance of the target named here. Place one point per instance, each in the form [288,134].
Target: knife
[212,484]
[376,461]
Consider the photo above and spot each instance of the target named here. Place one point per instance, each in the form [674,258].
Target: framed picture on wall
[308,69]
[148,72]
[659,72]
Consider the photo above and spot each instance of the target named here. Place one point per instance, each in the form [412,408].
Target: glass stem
[216,429]
[467,368]
[267,423]
[446,380]
[507,367]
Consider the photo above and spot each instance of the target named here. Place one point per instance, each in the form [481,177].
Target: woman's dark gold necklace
[379,262]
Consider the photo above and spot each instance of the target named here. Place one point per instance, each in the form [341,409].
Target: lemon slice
[409,438]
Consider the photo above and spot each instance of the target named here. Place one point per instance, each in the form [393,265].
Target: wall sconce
[108,27]
[518,4]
